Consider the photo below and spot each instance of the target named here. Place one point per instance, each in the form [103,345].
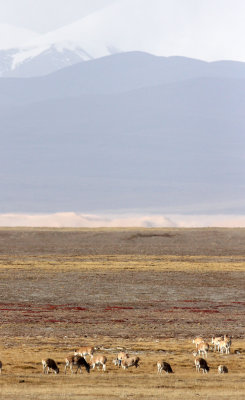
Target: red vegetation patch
[119,320]
[192,309]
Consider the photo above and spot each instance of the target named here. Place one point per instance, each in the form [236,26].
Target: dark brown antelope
[200,363]
[222,369]
[48,364]
[164,366]
[76,361]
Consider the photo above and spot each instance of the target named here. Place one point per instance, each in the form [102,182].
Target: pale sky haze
[206,29]
[46,15]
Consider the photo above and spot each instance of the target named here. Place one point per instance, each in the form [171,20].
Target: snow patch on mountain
[124,26]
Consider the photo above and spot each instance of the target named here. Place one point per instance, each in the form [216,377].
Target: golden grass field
[148,291]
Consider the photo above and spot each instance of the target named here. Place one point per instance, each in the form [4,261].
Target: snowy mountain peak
[124,26]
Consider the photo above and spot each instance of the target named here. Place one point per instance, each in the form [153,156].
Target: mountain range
[122,26]
[126,131]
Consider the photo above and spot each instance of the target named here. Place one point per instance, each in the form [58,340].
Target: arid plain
[148,291]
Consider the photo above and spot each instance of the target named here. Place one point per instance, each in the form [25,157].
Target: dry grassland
[146,291]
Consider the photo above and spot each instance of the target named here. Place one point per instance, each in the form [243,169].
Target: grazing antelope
[84,351]
[50,364]
[198,340]
[77,361]
[130,362]
[215,341]
[203,348]
[1,366]
[200,363]
[99,360]
[121,356]
[222,369]
[164,366]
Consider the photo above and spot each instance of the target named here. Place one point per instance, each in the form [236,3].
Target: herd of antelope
[78,360]
[221,344]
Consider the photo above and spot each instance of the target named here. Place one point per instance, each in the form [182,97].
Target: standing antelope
[202,348]
[198,340]
[227,339]
[200,363]
[222,369]
[50,364]
[99,360]
[84,351]
[130,362]
[215,341]
[224,346]
[121,356]
[77,361]
[164,366]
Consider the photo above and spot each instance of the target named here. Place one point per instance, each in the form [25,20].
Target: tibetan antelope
[215,341]
[222,369]
[198,340]
[227,339]
[121,356]
[164,366]
[202,348]
[78,362]
[200,363]
[224,347]
[84,351]
[48,364]
[130,362]
[99,360]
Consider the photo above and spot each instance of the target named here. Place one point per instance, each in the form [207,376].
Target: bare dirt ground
[149,291]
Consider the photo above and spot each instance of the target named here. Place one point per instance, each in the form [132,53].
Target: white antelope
[121,356]
[202,348]
[99,360]
[84,351]
[130,362]
[215,341]
[48,364]
[222,369]
[198,340]
[200,363]
[164,366]
[78,362]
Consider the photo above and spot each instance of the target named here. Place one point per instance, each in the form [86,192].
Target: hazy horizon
[123,220]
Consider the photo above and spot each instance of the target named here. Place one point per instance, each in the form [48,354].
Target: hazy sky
[45,15]
[205,29]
